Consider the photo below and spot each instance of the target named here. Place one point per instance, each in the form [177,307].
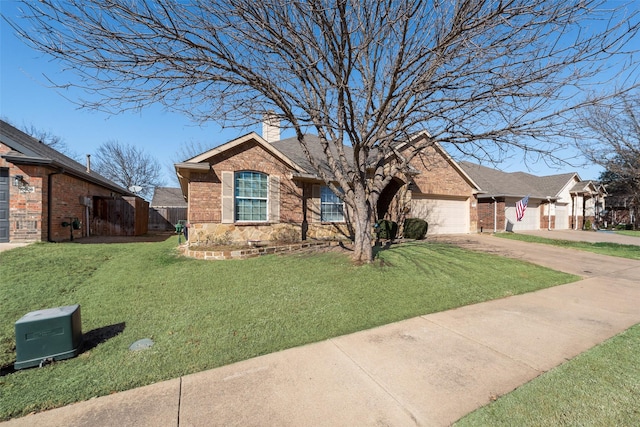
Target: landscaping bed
[222,252]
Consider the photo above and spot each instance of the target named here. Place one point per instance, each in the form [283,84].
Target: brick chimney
[270,127]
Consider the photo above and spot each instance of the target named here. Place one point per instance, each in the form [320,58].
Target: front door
[4,205]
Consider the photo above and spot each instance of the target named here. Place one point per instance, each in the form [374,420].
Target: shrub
[415,228]
[387,229]
[587,225]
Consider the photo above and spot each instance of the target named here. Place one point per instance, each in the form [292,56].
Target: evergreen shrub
[387,229]
[415,228]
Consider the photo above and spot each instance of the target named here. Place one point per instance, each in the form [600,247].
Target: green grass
[602,248]
[601,387]
[204,314]
[633,233]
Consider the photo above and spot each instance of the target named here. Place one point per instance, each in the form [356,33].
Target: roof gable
[250,137]
[585,187]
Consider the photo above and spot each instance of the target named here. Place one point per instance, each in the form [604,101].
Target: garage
[444,216]
[530,221]
[562,217]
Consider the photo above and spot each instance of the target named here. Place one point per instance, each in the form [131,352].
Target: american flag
[521,206]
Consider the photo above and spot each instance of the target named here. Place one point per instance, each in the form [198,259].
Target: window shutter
[315,203]
[274,198]
[227,198]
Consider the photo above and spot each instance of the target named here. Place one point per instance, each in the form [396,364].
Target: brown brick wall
[28,204]
[546,221]
[65,199]
[25,201]
[486,215]
[438,176]
[205,190]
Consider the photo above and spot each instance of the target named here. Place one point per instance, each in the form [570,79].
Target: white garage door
[530,221]
[444,216]
[562,217]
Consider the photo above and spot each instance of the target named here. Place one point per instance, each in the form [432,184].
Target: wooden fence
[128,216]
[162,219]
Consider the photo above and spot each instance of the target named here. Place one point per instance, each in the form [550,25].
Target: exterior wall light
[17,180]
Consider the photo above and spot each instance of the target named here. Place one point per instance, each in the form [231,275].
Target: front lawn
[204,314]
[602,248]
[633,233]
[600,387]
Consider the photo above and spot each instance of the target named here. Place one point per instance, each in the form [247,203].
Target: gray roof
[582,186]
[27,150]
[494,182]
[165,197]
[291,148]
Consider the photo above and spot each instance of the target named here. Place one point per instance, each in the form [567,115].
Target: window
[331,207]
[251,190]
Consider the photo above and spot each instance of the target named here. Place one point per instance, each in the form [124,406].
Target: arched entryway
[384,209]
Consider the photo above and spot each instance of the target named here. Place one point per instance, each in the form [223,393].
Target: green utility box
[47,335]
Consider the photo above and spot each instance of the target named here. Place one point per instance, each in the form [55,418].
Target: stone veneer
[208,233]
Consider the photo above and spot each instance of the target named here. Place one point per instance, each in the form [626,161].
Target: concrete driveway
[585,236]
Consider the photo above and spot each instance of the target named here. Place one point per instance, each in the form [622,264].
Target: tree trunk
[362,224]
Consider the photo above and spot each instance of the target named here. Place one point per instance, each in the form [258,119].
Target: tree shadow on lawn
[90,340]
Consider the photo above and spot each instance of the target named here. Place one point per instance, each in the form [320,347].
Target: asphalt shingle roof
[517,184]
[168,197]
[28,150]
[291,148]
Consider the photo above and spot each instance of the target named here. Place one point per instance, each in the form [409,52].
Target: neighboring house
[621,209]
[167,208]
[252,188]
[558,202]
[46,196]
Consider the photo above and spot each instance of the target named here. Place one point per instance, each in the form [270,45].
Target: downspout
[86,210]
[49,201]
[495,215]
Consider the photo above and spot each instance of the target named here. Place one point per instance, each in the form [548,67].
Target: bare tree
[613,142]
[485,76]
[185,152]
[49,138]
[128,166]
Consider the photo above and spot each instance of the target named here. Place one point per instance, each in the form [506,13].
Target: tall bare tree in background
[612,140]
[488,77]
[129,167]
[184,152]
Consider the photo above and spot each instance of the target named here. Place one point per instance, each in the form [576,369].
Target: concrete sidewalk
[9,246]
[430,370]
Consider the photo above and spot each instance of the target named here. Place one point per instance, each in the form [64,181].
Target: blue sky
[26,99]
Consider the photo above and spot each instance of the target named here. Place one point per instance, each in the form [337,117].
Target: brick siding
[437,177]
[28,203]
